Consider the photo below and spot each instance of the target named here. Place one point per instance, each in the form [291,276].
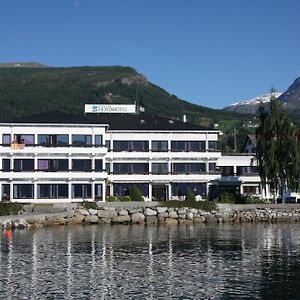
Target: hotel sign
[110,108]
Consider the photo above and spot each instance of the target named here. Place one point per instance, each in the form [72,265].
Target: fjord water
[250,261]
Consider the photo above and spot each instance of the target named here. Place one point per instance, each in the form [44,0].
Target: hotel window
[123,189]
[138,146]
[23,165]
[21,191]
[188,168]
[81,190]
[53,191]
[98,165]
[193,146]
[254,190]
[53,165]
[246,170]
[6,139]
[180,189]
[81,140]
[212,145]
[98,191]
[159,146]
[98,140]
[226,170]
[5,192]
[6,164]
[27,139]
[53,139]
[212,167]
[131,168]
[160,168]
[82,165]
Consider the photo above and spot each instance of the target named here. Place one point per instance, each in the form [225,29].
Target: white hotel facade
[56,157]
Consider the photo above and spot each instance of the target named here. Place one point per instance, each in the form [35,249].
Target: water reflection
[257,261]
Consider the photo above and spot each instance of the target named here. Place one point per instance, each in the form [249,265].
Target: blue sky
[209,52]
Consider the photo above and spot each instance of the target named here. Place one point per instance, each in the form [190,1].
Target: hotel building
[57,157]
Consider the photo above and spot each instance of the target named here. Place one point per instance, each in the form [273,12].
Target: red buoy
[7,233]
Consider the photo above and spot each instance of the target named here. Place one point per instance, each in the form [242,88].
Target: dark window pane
[98,165]
[5,192]
[6,164]
[6,139]
[98,139]
[23,165]
[212,167]
[81,190]
[82,165]
[98,190]
[212,145]
[21,191]
[160,168]
[158,146]
[81,140]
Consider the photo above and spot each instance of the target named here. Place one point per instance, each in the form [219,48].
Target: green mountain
[25,90]
[30,88]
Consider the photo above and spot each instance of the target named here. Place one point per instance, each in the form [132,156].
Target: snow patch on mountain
[257,100]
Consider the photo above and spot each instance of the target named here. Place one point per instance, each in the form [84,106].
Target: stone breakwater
[156,215]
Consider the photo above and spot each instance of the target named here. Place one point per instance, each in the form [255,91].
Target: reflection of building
[58,157]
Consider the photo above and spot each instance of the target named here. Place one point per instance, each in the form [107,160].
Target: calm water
[137,262]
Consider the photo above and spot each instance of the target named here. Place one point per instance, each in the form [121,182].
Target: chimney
[184,118]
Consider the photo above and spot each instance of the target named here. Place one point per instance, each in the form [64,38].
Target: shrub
[11,208]
[249,199]
[227,198]
[124,199]
[189,196]
[88,205]
[112,199]
[135,194]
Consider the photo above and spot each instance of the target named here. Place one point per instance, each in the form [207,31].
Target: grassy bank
[10,208]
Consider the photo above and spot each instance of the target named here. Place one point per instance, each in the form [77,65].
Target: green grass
[10,208]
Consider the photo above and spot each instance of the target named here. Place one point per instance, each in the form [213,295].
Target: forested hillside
[29,90]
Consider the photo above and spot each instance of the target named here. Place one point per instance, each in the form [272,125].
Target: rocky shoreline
[155,215]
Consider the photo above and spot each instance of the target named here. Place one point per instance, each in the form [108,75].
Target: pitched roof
[115,121]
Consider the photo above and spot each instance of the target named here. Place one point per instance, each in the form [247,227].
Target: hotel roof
[115,121]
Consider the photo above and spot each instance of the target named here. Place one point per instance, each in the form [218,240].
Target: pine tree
[277,150]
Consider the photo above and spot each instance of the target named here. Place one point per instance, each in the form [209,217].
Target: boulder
[121,219]
[161,209]
[92,219]
[150,212]
[171,221]
[151,220]
[103,213]
[76,219]
[181,211]
[211,219]
[93,211]
[83,212]
[173,215]
[181,216]
[185,221]
[137,217]
[123,212]
[104,220]
[200,219]
[163,215]
[190,216]
[135,210]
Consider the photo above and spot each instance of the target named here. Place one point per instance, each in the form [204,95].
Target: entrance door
[159,192]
